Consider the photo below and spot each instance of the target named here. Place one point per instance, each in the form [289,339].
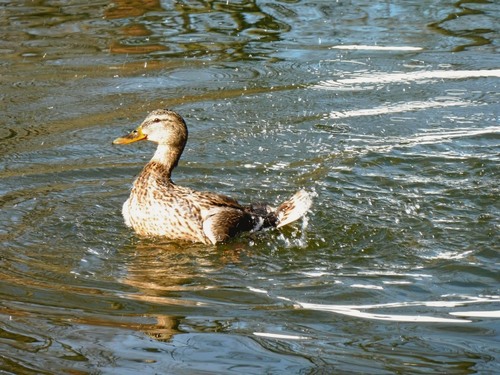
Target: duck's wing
[222,217]
[209,199]
[221,223]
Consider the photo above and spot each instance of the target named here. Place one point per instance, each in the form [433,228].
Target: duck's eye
[156,120]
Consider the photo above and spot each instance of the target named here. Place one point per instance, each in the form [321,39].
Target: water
[389,112]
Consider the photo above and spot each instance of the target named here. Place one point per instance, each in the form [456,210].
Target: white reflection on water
[478,314]
[376,48]
[371,78]
[367,286]
[441,135]
[392,317]
[436,136]
[398,108]
[356,310]
[281,336]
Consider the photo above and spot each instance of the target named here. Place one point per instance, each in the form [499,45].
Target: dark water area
[387,111]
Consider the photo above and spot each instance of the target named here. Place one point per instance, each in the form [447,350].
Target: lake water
[387,111]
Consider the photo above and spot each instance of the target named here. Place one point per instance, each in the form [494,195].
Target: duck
[158,207]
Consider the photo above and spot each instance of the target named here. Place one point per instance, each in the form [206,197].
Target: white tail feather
[294,208]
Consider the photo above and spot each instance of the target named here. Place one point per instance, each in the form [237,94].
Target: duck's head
[161,126]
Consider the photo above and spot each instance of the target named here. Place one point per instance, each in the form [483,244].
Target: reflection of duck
[158,207]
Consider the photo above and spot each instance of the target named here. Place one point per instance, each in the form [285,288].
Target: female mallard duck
[158,207]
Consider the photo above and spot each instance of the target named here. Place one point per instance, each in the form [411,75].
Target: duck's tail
[293,208]
[265,216]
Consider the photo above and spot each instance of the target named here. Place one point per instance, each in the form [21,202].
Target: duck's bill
[133,136]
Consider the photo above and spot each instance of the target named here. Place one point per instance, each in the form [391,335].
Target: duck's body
[177,212]
[158,207]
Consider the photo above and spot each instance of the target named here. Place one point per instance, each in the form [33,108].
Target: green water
[387,111]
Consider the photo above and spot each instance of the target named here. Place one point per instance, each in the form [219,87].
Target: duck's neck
[166,157]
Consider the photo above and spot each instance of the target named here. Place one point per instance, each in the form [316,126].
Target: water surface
[388,112]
